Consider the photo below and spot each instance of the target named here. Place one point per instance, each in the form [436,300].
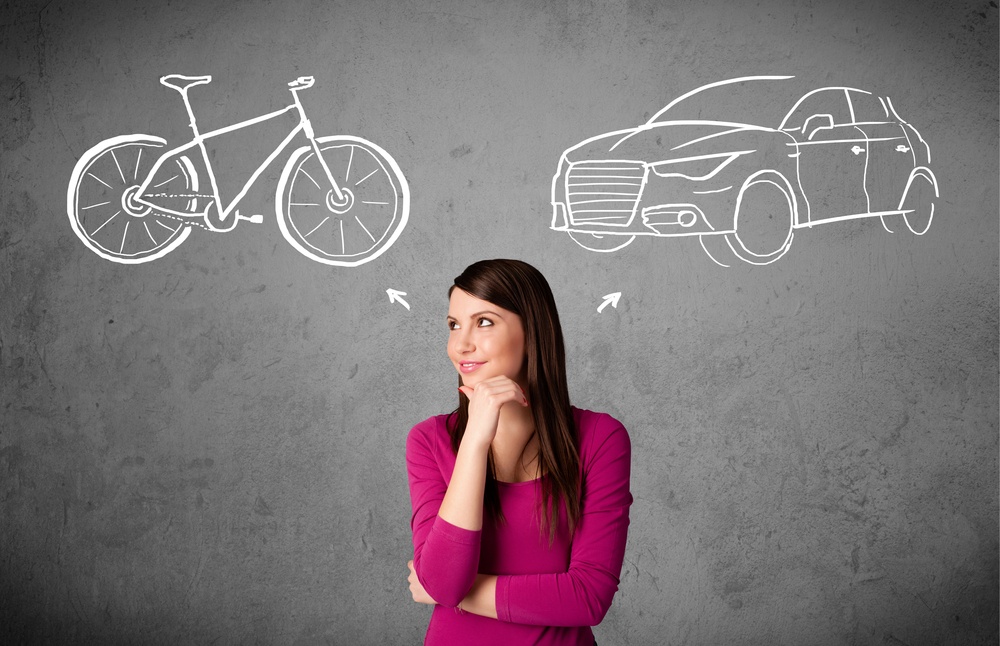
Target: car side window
[831,102]
[868,108]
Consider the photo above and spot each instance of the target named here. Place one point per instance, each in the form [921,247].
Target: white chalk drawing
[340,200]
[395,295]
[609,299]
[839,153]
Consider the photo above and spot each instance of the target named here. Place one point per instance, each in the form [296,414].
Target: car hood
[666,140]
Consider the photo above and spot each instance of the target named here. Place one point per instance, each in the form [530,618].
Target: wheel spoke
[100,180]
[124,235]
[366,177]
[316,227]
[135,175]
[115,157]
[84,208]
[365,228]
[146,226]
[105,222]
[303,171]
[350,160]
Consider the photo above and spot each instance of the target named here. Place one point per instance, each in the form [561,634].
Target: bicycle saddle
[181,83]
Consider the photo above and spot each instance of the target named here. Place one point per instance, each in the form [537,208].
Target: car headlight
[697,168]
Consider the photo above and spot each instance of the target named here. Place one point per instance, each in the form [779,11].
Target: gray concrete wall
[208,448]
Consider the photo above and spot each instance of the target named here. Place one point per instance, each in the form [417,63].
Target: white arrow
[610,299]
[397,296]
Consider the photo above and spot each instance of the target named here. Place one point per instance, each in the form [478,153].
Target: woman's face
[484,340]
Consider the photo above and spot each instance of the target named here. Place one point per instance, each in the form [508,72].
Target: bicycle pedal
[256,218]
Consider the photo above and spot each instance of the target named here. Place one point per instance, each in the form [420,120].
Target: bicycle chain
[183,220]
[174,217]
[177,195]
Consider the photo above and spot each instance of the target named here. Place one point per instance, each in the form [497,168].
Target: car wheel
[917,203]
[602,243]
[762,224]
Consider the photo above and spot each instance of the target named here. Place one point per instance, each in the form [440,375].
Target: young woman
[520,501]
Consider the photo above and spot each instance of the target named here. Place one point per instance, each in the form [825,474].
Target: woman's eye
[452,325]
[484,322]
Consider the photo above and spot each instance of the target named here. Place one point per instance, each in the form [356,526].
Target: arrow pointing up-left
[397,296]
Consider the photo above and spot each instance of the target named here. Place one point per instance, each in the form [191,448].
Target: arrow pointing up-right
[610,299]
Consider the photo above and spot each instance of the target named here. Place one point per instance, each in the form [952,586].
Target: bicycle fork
[339,198]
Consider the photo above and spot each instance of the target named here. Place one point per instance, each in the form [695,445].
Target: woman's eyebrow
[474,315]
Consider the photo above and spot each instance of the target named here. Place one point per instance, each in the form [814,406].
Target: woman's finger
[498,390]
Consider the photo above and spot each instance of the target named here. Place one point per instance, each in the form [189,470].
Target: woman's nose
[463,342]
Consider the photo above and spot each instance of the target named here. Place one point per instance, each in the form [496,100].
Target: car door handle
[902,148]
[857,150]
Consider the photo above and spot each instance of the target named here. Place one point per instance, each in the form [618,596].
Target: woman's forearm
[462,505]
[463,501]
[482,598]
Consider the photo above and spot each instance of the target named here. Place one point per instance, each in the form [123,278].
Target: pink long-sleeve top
[546,594]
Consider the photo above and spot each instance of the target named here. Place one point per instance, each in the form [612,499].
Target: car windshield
[760,101]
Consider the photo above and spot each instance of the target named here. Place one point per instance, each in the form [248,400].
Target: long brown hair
[520,288]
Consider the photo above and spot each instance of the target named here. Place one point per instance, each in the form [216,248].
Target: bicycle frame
[147,190]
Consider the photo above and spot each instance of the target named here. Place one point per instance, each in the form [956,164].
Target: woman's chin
[474,379]
[470,381]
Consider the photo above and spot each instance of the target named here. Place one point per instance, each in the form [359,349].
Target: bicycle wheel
[101,200]
[356,229]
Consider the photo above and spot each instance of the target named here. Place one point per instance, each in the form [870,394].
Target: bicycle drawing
[340,200]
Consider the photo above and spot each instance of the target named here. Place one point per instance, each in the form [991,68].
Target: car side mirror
[816,123]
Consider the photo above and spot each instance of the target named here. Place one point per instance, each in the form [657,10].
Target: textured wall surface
[208,448]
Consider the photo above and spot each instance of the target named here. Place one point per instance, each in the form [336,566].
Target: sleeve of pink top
[445,557]
[582,595]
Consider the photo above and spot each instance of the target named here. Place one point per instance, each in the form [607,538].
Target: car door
[832,155]
[890,157]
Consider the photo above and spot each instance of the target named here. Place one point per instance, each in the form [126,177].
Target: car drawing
[721,163]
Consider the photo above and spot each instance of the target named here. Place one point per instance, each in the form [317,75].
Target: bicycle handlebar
[302,83]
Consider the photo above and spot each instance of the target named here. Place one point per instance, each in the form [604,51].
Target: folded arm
[582,595]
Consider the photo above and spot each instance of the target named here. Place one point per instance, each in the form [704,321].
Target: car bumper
[662,220]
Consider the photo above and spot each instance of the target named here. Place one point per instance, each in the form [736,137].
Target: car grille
[604,192]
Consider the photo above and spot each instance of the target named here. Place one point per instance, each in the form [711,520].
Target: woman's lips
[465,367]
